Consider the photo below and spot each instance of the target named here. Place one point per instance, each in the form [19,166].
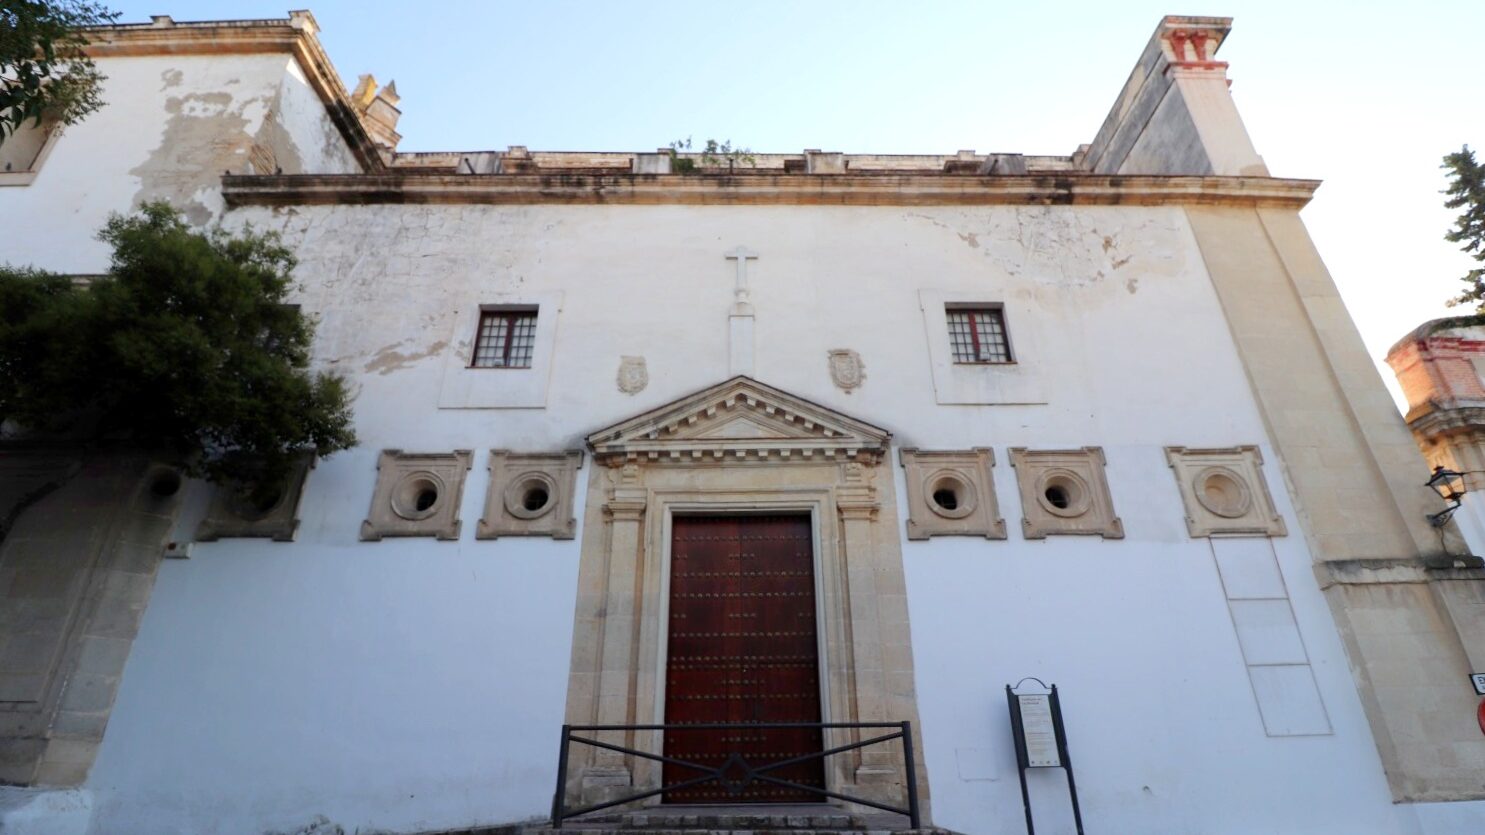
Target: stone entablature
[620,187]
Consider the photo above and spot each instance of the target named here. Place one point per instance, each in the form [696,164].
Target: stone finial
[365,91]
[161,21]
[378,110]
[1191,42]
[302,19]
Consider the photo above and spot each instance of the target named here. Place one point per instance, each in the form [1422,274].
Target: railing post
[559,800]
[911,772]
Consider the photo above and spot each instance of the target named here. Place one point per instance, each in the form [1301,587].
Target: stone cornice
[294,36]
[1398,571]
[1431,419]
[608,187]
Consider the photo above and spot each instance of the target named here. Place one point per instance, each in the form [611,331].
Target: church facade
[792,451]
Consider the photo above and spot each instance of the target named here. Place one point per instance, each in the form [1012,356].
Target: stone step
[735,820]
[702,823]
[715,823]
[768,831]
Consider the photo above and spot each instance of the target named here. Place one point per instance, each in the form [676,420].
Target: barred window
[506,339]
[977,334]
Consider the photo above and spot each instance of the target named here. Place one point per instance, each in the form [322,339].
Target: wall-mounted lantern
[1450,487]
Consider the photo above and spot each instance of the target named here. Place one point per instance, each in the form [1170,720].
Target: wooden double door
[743,648]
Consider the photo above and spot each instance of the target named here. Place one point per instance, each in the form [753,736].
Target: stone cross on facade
[740,316]
[741,255]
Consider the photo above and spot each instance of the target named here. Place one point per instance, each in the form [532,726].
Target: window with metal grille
[506,339]
[977,334]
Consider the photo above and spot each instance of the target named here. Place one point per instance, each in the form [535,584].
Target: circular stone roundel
[1062,492]
[417,495]
[530,495]
[1222,492]
[245,504]
[949,494]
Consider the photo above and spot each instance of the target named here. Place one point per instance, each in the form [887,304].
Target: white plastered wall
[415,684]
[171,125]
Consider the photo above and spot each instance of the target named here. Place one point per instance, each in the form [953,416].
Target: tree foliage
[44,73]
[1467,191]
[187,345]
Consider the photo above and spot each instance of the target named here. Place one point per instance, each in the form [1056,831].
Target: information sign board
[1038,731]
[1041,742]
[1478,679]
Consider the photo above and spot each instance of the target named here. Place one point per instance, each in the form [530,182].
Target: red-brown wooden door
[742,648]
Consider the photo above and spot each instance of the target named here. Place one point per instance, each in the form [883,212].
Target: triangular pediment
[739,419]
[746,427]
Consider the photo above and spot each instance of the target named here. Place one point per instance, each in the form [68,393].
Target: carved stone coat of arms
[846,370]
[633,376]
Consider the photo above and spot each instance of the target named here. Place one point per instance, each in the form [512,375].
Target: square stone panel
[1289,700]
[530,494]
[1224,491]
[1064,491]
[234,513]
[951,493]
[417,494]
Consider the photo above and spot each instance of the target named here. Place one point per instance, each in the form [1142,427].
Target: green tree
[1467,191]
[44,72]
[188,345]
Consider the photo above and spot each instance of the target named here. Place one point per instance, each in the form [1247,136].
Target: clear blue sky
[1364,95]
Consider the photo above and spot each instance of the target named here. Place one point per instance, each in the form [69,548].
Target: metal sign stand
[1041,742]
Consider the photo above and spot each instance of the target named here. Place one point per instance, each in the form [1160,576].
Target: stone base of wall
[77,565]
[45,811]
[1414,634]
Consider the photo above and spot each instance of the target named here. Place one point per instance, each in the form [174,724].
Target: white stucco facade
[415,684]
[456,653]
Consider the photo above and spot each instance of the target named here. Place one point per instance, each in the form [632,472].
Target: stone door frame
[736,448]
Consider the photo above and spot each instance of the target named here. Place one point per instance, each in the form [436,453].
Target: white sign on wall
[1040,732]
[1478,679]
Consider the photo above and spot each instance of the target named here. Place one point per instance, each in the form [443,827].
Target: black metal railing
[728,774]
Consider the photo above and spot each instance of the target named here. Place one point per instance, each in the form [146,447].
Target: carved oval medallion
[846,369]
[633,376]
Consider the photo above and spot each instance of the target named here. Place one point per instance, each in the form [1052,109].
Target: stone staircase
[712,820]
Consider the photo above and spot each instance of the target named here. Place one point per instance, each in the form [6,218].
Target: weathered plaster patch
[1061,247]
[280,142]
[205,135]
[172,78]
[388,360]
